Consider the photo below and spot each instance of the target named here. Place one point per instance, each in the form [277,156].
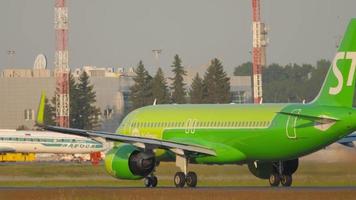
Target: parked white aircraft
[47,142]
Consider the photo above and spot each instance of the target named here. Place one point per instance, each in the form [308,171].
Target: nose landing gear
[150,181]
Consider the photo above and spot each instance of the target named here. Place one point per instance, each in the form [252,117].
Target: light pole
[11,54]
[156,53]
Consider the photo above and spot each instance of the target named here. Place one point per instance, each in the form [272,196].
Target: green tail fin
[339,85]
[41,109]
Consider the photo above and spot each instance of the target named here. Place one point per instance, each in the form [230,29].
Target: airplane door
[291,124]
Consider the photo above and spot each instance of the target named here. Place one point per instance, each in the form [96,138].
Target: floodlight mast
[259,44]
[156,54]
[61,63]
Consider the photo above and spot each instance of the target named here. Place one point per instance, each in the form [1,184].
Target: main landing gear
[182,178]
[280,175]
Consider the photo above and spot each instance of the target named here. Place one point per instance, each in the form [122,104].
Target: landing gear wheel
[274,179]
[191,179]
[154,181]
[179,179]
[150,181]
[286,180]
[147,182]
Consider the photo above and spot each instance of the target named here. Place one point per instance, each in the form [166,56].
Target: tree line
[289,83]
[213,87]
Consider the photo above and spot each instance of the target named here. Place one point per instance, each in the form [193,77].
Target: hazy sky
[121,32]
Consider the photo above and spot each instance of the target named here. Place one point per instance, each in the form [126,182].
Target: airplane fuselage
[241,133]
[46,142]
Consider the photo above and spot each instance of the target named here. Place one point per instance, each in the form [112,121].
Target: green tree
[288,83]
[216,83]
[141,91]
[197,90]
[159,88]
[74,105]
[245,69]
[49,113]
[317,77]
[88,113]
[178,85]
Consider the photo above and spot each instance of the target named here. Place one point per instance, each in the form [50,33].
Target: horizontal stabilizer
[319,119]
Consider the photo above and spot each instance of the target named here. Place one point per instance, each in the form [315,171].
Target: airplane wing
[6,150]
[348,140]
[140,142]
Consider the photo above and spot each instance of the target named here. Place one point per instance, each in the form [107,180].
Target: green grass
[71,174]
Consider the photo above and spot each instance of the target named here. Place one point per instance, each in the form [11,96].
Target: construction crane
[259,44]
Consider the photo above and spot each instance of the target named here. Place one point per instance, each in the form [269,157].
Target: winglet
[41,109]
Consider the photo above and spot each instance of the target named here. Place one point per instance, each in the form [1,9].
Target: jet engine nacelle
[127,162]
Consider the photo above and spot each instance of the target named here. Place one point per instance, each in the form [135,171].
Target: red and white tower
[61,63]
[259,43]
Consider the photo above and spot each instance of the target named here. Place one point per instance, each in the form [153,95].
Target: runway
[172,193]
[229,188]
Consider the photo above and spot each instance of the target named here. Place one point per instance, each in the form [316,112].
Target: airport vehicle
[46,142]
[269,138]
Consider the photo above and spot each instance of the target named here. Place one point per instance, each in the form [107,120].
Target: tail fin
[339,85]
[41,110]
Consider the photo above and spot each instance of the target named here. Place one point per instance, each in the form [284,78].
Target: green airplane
[269,138]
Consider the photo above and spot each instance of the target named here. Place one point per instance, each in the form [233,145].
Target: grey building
[20,91]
